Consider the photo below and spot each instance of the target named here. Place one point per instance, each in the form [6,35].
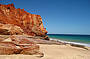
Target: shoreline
[68,42]
[52,49]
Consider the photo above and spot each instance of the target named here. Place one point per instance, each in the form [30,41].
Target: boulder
[18,45]
[30,49]
[7,48]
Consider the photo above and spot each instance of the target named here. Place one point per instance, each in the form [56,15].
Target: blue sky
[62,16]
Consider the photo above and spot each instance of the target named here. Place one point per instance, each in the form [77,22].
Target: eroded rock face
[7,48]
[10,29]
[17,21]
[30,23]
[18,45]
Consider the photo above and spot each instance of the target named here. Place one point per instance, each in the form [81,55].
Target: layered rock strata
[10,29]
[19,22]
[18,45]
[30,23]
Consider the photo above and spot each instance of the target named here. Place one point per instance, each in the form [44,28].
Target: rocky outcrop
[10,29]
[18,45]
[15,22]
[7,48]
[30,23]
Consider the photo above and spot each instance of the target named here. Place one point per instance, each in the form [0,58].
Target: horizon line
[69,34]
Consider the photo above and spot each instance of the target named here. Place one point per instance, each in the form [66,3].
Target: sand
[54,52]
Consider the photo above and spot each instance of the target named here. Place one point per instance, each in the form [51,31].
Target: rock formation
[30,23]
[19,22]
[10,29]
[18,45]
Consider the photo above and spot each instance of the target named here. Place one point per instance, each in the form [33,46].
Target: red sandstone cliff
[30,23]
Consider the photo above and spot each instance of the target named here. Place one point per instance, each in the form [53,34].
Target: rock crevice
[30,23]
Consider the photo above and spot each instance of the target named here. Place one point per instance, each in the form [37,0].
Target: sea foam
[88,45]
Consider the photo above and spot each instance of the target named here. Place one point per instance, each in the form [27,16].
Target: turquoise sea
[71,38]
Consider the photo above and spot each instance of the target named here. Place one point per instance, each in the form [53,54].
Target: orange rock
[32,49]
[30,23]
[17,45]
[7,48]
[10,29]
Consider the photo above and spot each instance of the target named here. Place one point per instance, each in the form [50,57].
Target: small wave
[88,45]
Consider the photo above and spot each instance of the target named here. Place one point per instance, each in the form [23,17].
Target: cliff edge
[30,23]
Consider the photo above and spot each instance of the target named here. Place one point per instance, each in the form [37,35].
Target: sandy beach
[55,52]
[44,29]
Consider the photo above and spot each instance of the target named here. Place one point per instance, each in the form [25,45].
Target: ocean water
[69,38]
